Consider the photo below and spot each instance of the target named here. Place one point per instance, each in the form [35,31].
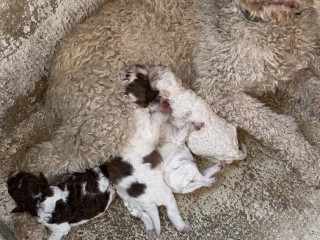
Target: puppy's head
[281,11]
[138,87]
[163,79]
[27,190]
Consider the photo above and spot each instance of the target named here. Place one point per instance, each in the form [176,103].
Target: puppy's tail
[242,153]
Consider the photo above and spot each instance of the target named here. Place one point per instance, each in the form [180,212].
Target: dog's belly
[88,67]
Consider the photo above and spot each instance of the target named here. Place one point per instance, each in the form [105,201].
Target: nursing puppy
[80,198]
[179,168]
[137,175]
[217,139]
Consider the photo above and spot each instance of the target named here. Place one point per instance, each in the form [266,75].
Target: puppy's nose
[165,107]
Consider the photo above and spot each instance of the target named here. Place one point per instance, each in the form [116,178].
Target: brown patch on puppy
[118,169]
[154,158]
[136,189]
[140,88]
[280,11]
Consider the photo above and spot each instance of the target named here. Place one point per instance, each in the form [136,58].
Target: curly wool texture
[85,100]
[27,228]
[217,139]
[231,58]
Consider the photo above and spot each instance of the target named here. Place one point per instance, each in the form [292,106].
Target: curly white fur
[180,171]
[217,139]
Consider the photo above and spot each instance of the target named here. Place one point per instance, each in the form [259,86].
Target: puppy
[179,168]
[217,139]
[137,174]
[81,197]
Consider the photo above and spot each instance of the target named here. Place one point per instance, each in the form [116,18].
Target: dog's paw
[152,234]
[197,125]
[222,164]
[193,126]
[213,181]
[186,229]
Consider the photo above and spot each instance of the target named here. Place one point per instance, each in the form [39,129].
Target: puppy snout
[165,107]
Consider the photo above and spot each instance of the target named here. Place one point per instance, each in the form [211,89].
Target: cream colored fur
[217,139]
[226,59]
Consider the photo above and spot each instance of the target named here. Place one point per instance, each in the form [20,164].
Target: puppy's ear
[43,179]
[44,187]
[18,209]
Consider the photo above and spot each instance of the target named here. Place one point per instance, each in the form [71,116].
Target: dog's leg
[150,229]
[174,214]
[153,214]
[58,230]
[305,89]
[278,131]
[209,172]
[206,182]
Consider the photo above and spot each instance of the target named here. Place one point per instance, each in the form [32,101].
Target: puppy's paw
[152,234]
[213,181]
[222,164]
[186,229]
[197,125]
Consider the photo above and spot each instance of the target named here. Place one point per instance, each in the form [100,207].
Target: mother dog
[228,51]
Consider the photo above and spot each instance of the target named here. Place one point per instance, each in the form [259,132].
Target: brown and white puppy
[80,198]
[137,174]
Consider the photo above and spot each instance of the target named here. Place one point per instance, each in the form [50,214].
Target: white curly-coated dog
[217,139]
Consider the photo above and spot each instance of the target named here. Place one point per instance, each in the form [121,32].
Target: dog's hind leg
[207,182]
[305,90]
[153,214]
[61,154]
[147,221]
[174,214]
[209,172]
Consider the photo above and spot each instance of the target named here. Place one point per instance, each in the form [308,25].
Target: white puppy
[179,168]
[217,139]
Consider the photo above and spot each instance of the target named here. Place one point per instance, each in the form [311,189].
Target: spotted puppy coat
[80,198]
[137,174]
